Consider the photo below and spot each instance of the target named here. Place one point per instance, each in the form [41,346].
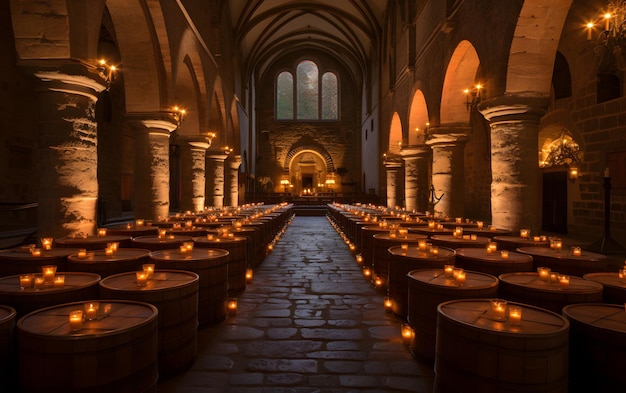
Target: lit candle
[82,253]
[479,224]
[209,236]
[139,222]
[40,283]
[249,274]
[554,277]
[366,271]
[434,250]
[108,252]
[544,273]
[102,232]
[515,315]
[563,281]
[392,234]
[473,237]
[403,233]
[26,281]
[407,333]
[448,270]
[498,309]
[46,243]
[431,224]
[183,248]
[162,233]
[76,319]
[404,247]
[91,310]
[388,303]
[460,278]
[232,306]
[59,281]
[142,278]
[492,228]
[536,239]
[359,258]
[148,269]
[113,246]
[621,274]
[456,271]
[459,220]
[458,232]
[576,251]
[524,233]
[421,244]
[48,272]
[188,245]
[36,252]
[504,254]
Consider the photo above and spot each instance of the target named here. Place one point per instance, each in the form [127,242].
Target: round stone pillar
[415,177]
[215,178]
[392,169]
[448,177]
[231,197]
[152,179]
[193,168]
[68,155]
[515,178]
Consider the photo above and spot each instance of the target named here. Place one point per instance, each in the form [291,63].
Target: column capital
[392,163]
[71,77]
[164,121]
[216,155]
[413,151]
[195,142]
[447,134]
[234,162]
[514,108]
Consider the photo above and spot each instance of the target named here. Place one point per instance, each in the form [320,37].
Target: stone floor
[309,322]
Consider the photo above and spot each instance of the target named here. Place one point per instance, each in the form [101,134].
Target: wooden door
[554,202]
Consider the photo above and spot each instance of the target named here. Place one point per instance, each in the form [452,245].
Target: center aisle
[308,322]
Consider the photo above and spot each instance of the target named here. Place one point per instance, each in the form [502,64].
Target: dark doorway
[307,182]
[554,202]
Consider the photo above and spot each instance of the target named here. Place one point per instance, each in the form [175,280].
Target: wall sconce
[179,114]
[285,184]
[573,174]
[107,71]
[475,96]
[227,150]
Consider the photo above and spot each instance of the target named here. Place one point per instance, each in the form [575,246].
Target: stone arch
[460,75]
[217,115]
[534,46]
[418,120]
[309,147]
[395,135]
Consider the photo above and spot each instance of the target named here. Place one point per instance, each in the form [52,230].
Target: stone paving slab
[309,322]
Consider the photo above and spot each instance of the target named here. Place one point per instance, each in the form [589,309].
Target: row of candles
[48,278]
[547,276]
[91,311]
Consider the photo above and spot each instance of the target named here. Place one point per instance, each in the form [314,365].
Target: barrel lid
[162,279]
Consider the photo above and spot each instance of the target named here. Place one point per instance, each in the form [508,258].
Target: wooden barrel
[122,261]
[8,363]
[478,259]
[476,354]
[116,353]
[175,295]
[430,287]
[78,286]
[93,242]
[237,259]
[367,242]
[154,243]
[614,289]
[381,244]
[20,261]
[211,265]
[597,347]
[526,287]
[401,263]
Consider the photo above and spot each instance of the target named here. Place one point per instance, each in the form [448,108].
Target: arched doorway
[310,170]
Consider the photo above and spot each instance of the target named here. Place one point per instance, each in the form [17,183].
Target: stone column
[447,169]
[152,179]
[68,155]
[392,169]
[515,177]
[193,166]
[231,197]
[215,178]
[415,177]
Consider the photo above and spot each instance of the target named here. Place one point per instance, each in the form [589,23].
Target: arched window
[313,97]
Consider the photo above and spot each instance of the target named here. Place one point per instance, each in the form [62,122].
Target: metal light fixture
[613,23]
[474,93]
[285,184]
[566,152]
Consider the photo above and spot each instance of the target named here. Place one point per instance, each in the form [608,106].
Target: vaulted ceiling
[267,29]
